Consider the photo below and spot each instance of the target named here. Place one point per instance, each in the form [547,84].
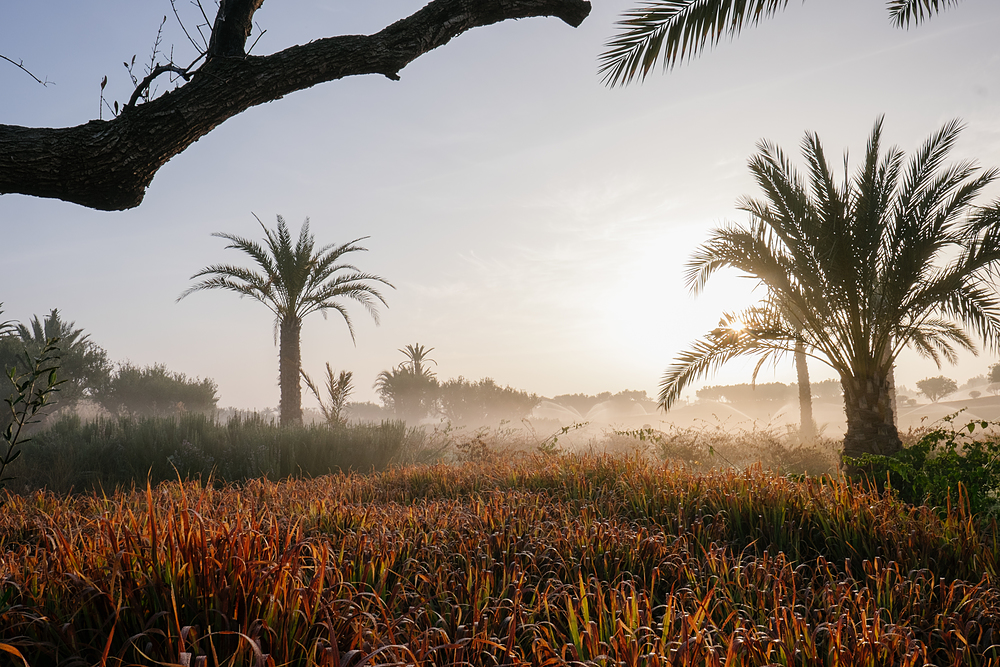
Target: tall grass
[543,560]
[118,452]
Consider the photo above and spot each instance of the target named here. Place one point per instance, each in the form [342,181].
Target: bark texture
[108,165]
[289,365]
[807,425]
[871,428]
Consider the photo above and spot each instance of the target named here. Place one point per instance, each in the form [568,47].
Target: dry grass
[542,560]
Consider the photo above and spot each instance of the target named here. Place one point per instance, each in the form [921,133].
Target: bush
[942,461]
[154,390]
[119,451]
[716,447]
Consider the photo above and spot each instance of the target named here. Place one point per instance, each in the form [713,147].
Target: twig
[173,6]
[157,71]
[20,66]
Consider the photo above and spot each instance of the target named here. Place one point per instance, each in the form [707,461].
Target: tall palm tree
[292,281]
[672,30]
[897,256]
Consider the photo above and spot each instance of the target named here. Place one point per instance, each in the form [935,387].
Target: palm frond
[902,12]
[672,30]
[758,330]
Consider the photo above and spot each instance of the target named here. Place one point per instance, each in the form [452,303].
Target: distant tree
[339,388]
[293,281]
[675,30]
[937,387]
[483,402]
[582,403]
[748,393]
[826,390]
[83,365]
[994,375]
[975,381]
[975,394]
[410,389]
[154,390]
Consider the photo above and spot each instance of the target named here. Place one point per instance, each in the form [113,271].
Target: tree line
[86,372]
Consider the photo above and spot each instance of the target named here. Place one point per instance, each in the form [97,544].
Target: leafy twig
[31,393]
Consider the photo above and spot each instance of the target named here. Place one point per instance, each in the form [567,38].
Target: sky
[534,222]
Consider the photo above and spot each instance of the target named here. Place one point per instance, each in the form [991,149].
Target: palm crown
[895,256]
[293,280]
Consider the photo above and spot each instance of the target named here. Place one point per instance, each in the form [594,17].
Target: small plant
[549,446]
[339,389]
[31,393]
[946,465]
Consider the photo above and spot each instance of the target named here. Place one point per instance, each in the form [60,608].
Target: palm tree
[293,280]
[673,30]
[83,363]
[410,388]
[897,256]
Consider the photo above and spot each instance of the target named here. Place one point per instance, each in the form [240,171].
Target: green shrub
[116,452]
[944,460]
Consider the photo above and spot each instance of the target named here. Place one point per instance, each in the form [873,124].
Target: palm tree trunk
[807,427]
[289,363]
[871,428]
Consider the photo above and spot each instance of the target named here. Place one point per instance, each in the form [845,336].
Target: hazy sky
[534,222]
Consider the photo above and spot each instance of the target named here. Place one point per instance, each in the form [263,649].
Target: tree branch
[20,66]
[108,165]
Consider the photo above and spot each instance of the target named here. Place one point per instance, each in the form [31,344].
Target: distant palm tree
[410,388]
[673,30]
[83,364]
[893,257]
[53,326]
[293,280]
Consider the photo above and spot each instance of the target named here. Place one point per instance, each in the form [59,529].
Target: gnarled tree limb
[108,165]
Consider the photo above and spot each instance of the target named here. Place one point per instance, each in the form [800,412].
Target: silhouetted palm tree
[893,257]
[83,364]
[293,280]
[410,389]
[672,30]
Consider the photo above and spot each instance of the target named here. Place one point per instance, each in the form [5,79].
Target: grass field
[543,560]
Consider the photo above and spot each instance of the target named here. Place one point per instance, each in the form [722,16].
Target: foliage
[995,372]
[937,387]
[83,365]
[674,30]
[293,280]
[155,391]
[32,392]
[483,402]
[410,390]
[338,389]
[714,446]
[855,270]
[745,393]
[947,467]
[583,403]
[127,450]
[545,560]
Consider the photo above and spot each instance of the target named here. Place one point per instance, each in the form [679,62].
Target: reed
[542,560]
[119,452]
